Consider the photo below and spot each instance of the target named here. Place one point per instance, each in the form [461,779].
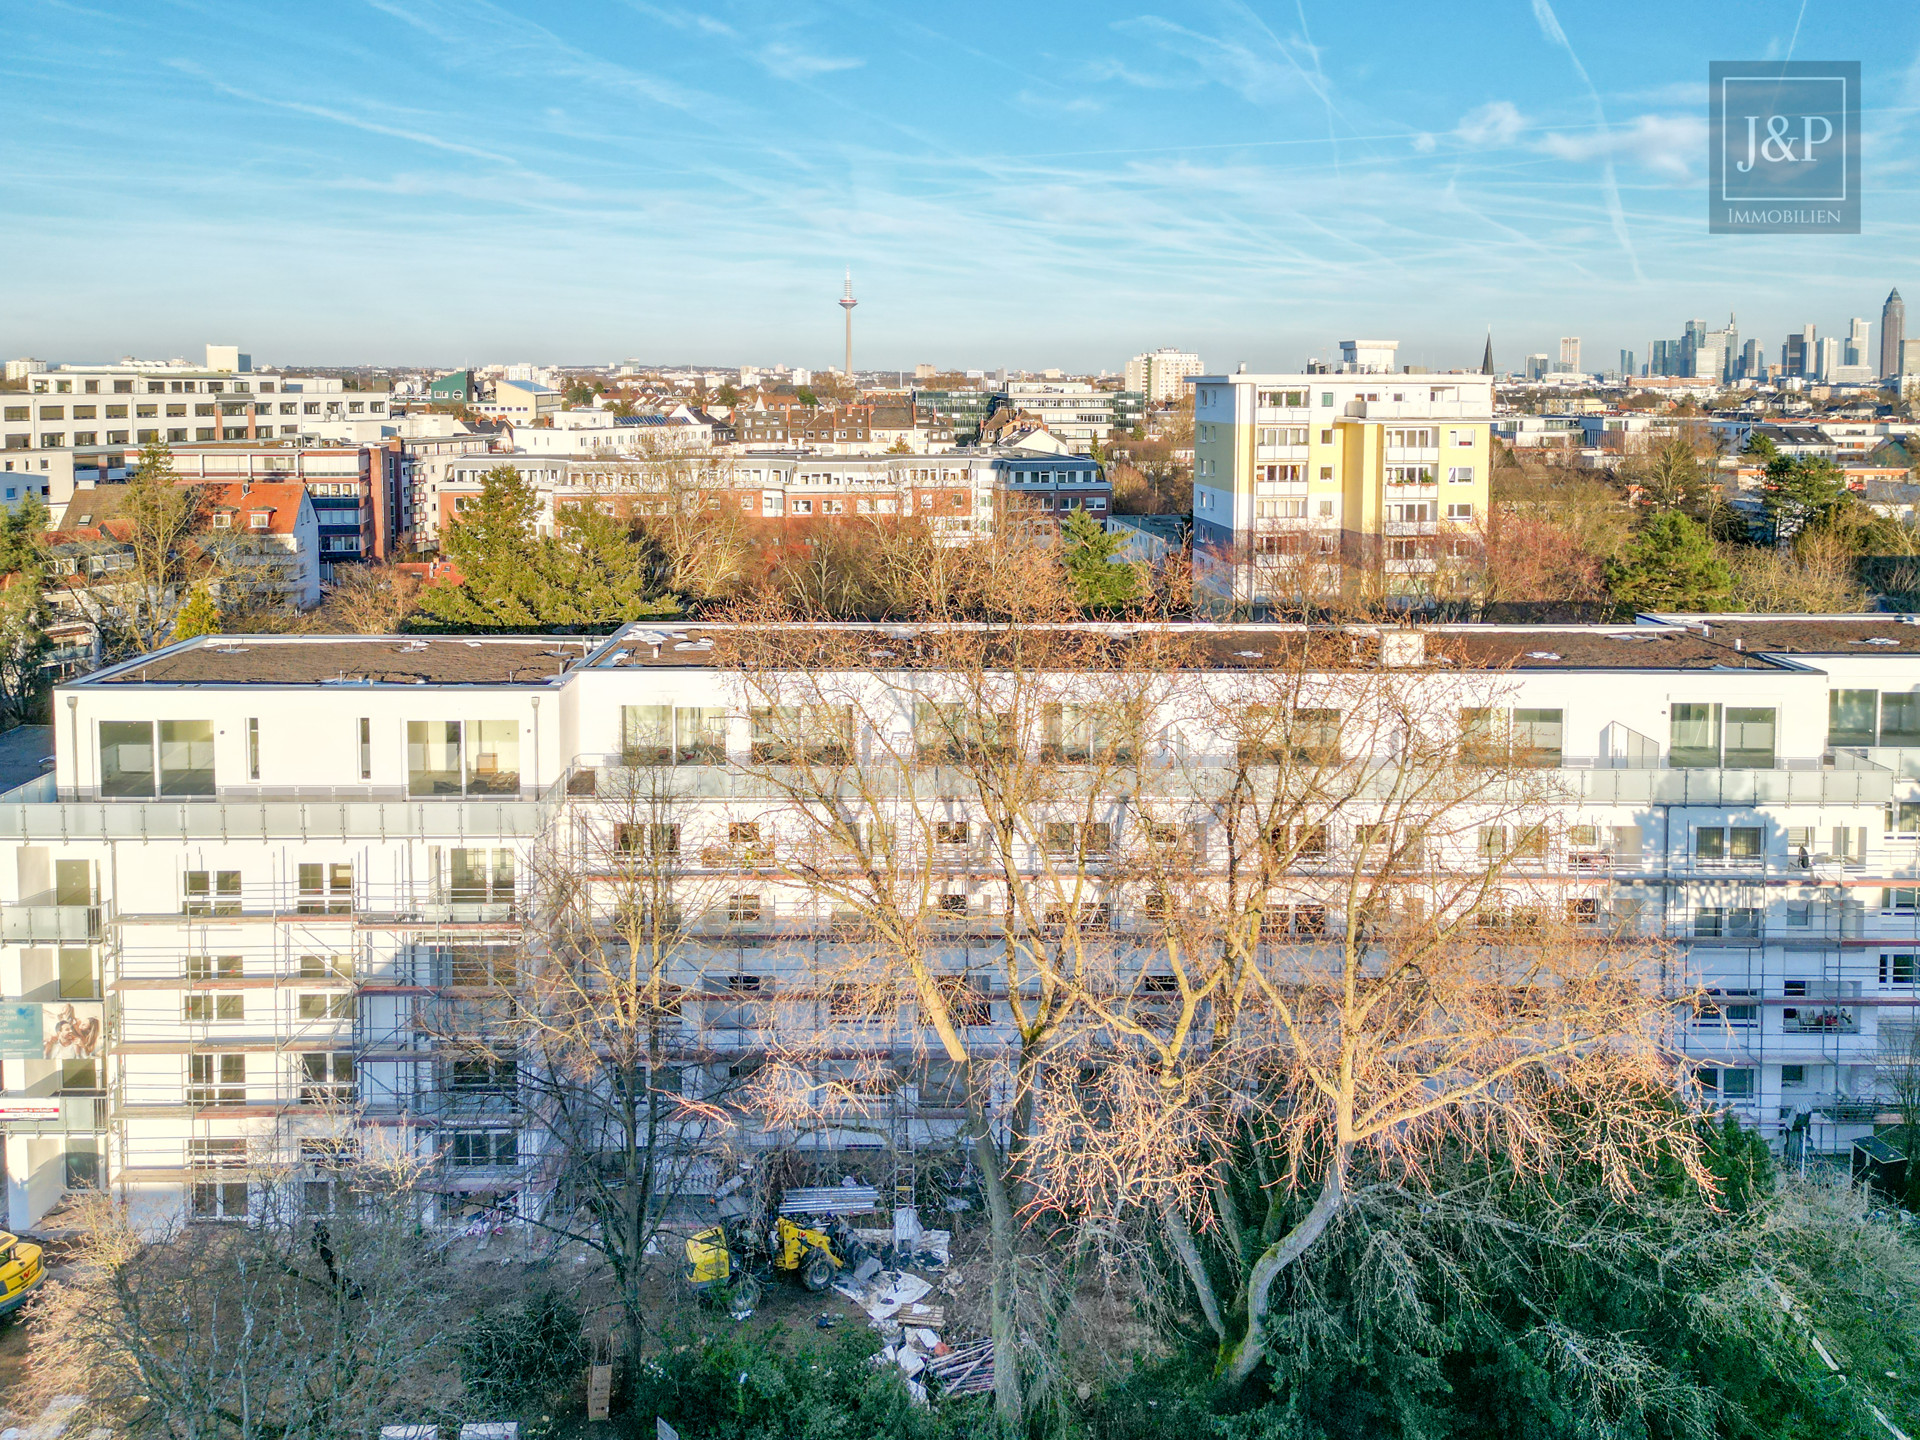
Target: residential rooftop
[1651,643]
[315,660]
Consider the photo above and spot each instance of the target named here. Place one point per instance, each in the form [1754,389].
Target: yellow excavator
[20,1272]
[724,1256]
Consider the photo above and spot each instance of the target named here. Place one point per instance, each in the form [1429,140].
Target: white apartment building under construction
[264,862]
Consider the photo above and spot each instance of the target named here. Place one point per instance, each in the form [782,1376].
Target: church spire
[1486,362]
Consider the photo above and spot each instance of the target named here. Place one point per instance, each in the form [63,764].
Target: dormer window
[223,521]
[260,519]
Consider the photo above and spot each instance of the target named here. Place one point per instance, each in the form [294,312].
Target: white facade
[258,855]
[961,493]
[91,418]
[1161,375]
[1072,409]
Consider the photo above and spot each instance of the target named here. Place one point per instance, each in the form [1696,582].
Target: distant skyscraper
[1893,329]
[1826,358]
[1750,361]
[1626,364]
[1796,355]
[1854,352]
[1710,351]
[1730,362]
[1570,354]
[1536,367]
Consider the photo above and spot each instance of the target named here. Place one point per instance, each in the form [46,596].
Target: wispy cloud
[1055,103]
[338,117]
[1257,75]
[791,62]
[1499,122]
[1668,145]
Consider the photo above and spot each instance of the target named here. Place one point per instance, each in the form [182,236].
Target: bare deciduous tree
[1376,965]
[297,1326]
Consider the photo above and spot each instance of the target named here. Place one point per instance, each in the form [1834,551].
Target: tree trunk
[1239,1360]
[1182,1240]
[1008,1403]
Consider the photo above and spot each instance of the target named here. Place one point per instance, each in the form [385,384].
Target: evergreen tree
[1101,581]
[199,616]
[593,573]
[1671,565]
[596,572]
[491,543]
[1803,492]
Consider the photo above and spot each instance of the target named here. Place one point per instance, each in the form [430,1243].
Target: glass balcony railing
[53,1114]
[71,820]
[49,924]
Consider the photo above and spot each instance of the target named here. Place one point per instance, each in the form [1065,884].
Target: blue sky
[1030,185]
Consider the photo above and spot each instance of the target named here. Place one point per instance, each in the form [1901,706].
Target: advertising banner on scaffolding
[69,1030]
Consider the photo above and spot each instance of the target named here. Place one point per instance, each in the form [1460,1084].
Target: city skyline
[461,185]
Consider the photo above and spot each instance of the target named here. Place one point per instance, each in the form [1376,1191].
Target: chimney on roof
[1401,648]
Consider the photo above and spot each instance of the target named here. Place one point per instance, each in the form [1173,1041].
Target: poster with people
[68,1030]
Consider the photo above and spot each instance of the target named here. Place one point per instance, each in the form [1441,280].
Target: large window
[128,757]
[1750,738]
[216,1079]
[1089,733]
[1900,719]
[326,889]
[803,734]
[476,1149]
[481,877]
[326,1077]
[673,735]
[210,892]
[946,731]
[1734,737]
[1536,736]
[463,757]
[1523,737]
[1695,739]
[1850,717]
[186,757]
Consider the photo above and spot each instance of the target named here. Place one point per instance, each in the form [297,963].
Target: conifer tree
[1671,565]
[491,543]
[1100,580]
[199,616]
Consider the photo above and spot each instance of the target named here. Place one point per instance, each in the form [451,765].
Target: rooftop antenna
[847,302]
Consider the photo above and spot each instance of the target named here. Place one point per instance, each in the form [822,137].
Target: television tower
[847,302]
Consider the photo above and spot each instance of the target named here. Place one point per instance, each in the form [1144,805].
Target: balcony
[53,1114]
[1596,782]
[1818,1019]
[88,818]
[1416,409]
[49,924]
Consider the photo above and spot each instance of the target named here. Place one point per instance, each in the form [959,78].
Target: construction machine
[21,1272]
[724,1257]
